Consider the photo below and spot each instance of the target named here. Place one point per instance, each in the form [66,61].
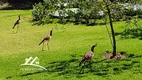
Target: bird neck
[92,48]
[19,17]
[51,33]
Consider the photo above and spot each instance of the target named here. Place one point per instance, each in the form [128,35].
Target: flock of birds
[87,57]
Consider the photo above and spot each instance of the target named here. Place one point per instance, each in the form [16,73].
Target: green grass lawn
[67,46]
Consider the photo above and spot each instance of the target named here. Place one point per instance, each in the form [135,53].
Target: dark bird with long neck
[88,56]
[17,23]
[46,38]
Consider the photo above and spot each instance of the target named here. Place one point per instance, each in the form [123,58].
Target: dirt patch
[119,55]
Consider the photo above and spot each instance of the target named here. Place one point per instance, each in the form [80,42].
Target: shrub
[38,12]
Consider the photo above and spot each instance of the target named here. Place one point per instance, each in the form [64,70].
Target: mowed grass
[67,46]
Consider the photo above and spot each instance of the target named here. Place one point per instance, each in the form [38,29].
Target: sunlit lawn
[67,46]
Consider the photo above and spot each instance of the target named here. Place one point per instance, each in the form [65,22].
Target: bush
[38,12]
[130,12]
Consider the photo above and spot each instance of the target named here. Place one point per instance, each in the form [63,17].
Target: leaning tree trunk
[112,30]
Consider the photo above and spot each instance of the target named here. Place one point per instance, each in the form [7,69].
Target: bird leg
[81,70]
[48,45]
[84,63]
[43,47]
[90,65]
[17,28]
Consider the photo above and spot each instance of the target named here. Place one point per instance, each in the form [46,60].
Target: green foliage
[38,11]
[84,10]
[130,12]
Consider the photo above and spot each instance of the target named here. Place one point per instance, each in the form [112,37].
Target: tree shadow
[131,33]
[70,68]
[64,22]
[22,75]
[41,22]
[38,23]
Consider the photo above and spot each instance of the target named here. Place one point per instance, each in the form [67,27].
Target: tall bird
[17,23]
[46,38]
[88,56]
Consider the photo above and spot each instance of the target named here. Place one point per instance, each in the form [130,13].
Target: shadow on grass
[44,22]
[38,23]
[69,68]
[131,33]
[55,20]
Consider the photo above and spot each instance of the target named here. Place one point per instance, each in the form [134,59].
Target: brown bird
[17,23]
[88,56]
[46,38]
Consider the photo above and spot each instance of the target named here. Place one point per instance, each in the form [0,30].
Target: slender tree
[107,3]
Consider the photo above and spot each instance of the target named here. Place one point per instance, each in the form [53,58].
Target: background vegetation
[84,11]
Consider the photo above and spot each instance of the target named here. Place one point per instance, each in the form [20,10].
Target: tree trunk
[112,30]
